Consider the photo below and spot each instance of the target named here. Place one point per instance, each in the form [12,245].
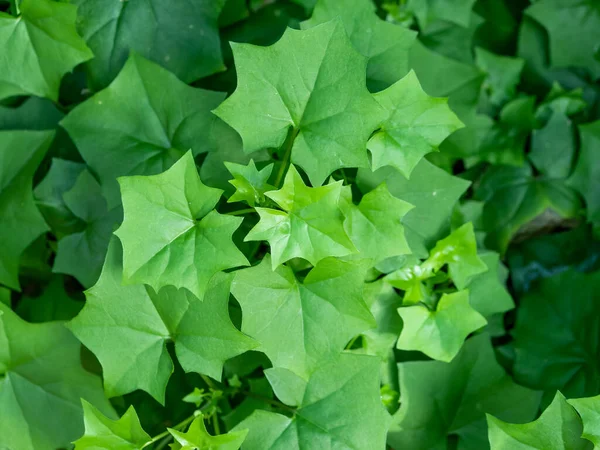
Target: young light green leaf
[20,154]
[325,108]
[186,242]
[589,410]
[341,409]
[439,334]
[39,47]
[249,182]
[587,172]
[559,427]
[416,125]
[197,438]
[311,225]
[101,432]
[451,399]
[384,44]
[292,320]
[41,384]
[183,38]
[375,226]
[128,327]
[142,123]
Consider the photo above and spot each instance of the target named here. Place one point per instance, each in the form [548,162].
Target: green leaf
[182,37]
[375,226]
[431,190]
[553,147]
[35,113]
[41,383]
[5,296]
[383,302]
[39,47]
[128,327]
[416,125]
[101,432]
[555,334]
[249,182]
[142,123]
[291,320]
[502,75]
[451,399]
[514,197]
[439,334]
[311,225]
[589,410]
[197,437]
[429,11]
[573,32]
[20,154]
[559,427]
[587,172]
[340,409]
[82,253]
[53,304]
[186,242]
[487,290]
[384,44]
[325,108]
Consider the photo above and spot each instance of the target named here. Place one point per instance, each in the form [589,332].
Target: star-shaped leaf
[439,334]
[430,11]
[128,327]
[311,225]
[249,182]
[587,172]
[589,410]
[341,409]
[442,399]
[385,45]
[559,427]
[142,123]
[329,110]
[41,384]
[186,242]
[503,74]
[20,154]
[39,47]
[182,37]
[126,433]
[197,438]
[292,320]
[416,125]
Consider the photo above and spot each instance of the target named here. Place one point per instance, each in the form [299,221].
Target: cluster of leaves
[284,224]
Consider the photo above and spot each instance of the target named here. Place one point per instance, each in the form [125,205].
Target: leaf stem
[240,212]
[215,422]
[166,433]
[285,162]
[209,382]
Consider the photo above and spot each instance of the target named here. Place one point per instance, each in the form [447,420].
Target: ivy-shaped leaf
[589,411]
[416,125]
[186,242]
[586,173]
[311,225]
[142,123]
[385,45]
[39,47]
[20,154]
[197,438]
[323,106]
[249,182]
[430,11]
[128,327]
[502,76]
[41,384]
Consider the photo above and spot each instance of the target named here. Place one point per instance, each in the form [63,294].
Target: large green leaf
[328,112]
[38,48]
[128,327]
[291,320]
[441,399]
[311,225]
[182,37]
[384,44]
[589,410]
[556,335]
[20,154]
[558,428]
[142,123]
[587,172]
[340,408]
[186,242]
[41,383]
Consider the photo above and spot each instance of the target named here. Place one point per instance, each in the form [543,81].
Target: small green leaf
[503,74]
[101,432]
[186,242]
[416,125]
[53,304]
[249,182]
[197,438]
[39,47]
[589,410]
[429,11]
[553,147]
[439,334]
[587,171]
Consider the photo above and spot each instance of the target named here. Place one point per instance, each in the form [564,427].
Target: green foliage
[299,224]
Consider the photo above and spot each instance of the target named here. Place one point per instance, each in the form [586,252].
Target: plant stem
[166,433]
[240,212]
[209,382]
[215,422]
[289,143]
